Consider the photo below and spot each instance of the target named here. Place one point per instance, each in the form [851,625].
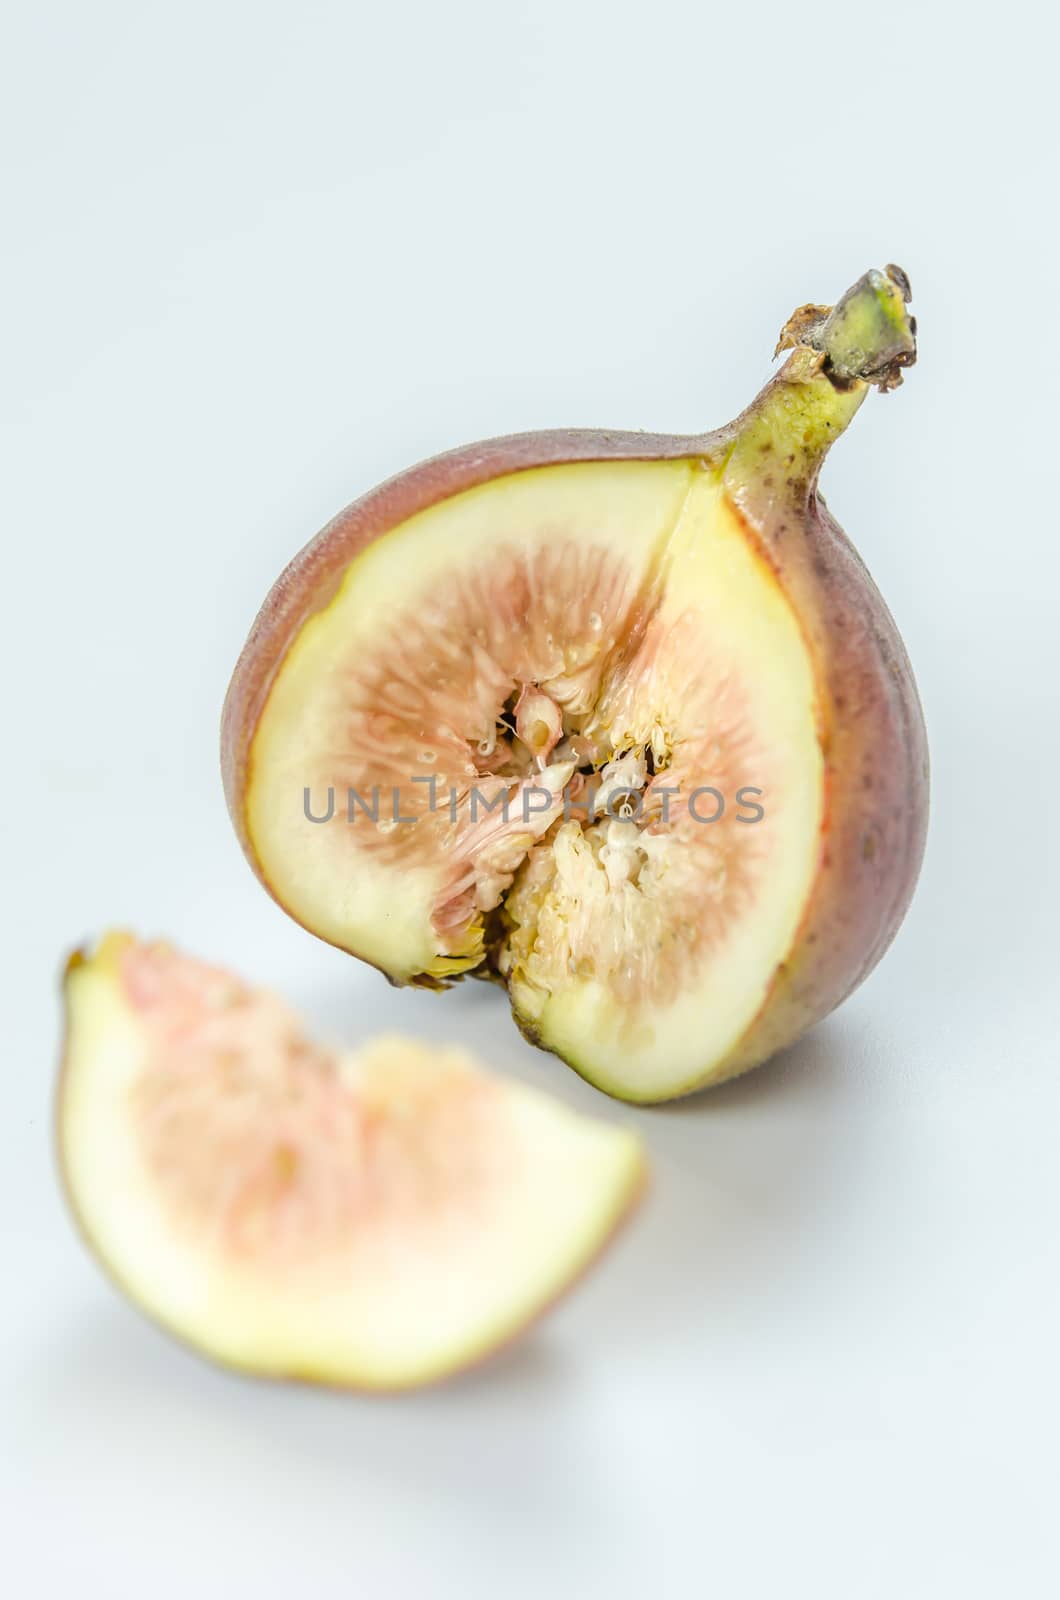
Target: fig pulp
[619,719]
[376,1219]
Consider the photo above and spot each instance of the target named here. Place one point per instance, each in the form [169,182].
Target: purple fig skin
[872,729]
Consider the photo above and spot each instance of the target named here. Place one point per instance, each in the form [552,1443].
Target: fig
[618,719]
[377,1219]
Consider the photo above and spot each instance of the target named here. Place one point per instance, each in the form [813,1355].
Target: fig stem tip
[867,338]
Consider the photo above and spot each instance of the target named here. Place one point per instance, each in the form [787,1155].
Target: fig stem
[869,336]
[837,354]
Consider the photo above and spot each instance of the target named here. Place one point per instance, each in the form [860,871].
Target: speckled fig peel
[377,1219]
[618,719]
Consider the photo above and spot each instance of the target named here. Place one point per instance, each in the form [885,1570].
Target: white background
[256,258]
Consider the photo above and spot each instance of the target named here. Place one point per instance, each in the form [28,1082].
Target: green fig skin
[872,730]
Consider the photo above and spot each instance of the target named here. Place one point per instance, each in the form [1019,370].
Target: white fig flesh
[376,1219]
[606,618]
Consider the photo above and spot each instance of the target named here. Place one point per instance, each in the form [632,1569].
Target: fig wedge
[376,1220]
[619,719]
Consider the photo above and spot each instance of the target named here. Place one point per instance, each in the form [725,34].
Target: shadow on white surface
[116,1356]
[111,1408]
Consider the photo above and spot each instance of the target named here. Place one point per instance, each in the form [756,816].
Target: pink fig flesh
[375,1219]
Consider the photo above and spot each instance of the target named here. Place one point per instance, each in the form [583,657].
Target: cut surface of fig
[375,1219]
[609,717]
[624,601]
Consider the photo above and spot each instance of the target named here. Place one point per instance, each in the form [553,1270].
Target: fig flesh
[620,719]
[378,1219]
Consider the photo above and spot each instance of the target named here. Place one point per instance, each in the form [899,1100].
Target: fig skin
[872,732]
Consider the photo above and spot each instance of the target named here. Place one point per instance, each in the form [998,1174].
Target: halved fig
[377,1219]
[617,718]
